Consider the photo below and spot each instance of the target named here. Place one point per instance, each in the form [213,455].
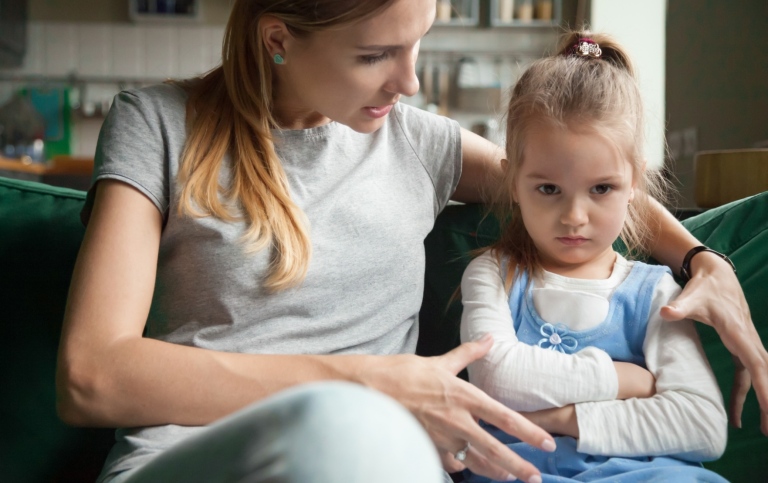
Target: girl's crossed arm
[577,394]
[685,418]
[527,378]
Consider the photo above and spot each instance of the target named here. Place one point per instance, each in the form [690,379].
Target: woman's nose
[403,79]
[410,84]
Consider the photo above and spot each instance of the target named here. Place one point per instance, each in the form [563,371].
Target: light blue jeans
[329,432]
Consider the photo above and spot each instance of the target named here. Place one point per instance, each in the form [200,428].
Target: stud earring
[278,59]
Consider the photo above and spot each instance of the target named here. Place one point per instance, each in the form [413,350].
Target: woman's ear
[275,36]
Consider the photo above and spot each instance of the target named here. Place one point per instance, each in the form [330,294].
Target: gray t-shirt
[370,199]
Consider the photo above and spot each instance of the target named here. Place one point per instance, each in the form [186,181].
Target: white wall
[121,54]
[125,51]
[640,25]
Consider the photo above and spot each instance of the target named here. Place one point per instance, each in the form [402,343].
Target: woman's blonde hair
[229,111]
[571,91]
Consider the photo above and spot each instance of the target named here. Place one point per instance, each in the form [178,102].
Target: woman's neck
[291,116]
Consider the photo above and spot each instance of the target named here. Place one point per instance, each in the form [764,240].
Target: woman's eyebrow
[386,47]
[379,47]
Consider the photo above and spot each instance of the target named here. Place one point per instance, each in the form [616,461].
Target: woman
[265,223]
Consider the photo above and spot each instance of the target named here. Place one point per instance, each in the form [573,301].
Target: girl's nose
[574,214]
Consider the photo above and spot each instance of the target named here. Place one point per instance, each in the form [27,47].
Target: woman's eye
[372,59]
[549,189]
[601,189]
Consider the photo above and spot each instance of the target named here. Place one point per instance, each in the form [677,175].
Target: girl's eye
[372,59]
[548,189]
[601,189]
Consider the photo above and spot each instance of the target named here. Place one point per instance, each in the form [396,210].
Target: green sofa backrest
[40,233]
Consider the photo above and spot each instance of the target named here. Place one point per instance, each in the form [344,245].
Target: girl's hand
[713,296]
[556,420]
[634,381]
[449,409]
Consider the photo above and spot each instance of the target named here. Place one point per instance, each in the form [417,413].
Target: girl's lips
[572,241]
[378,111]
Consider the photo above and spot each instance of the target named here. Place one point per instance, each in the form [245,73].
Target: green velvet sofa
[40,233]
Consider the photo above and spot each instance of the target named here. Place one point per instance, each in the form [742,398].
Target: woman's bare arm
[714,297]
[480,168]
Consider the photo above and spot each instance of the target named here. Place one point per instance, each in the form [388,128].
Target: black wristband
[685,269]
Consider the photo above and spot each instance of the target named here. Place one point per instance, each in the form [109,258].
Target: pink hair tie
[586,47]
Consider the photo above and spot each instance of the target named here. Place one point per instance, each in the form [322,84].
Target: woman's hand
[713,296]
[449,409]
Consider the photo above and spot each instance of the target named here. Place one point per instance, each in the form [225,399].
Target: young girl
[580,346]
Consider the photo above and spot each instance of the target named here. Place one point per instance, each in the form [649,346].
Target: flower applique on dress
[556,338]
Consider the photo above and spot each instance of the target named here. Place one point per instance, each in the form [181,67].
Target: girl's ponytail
[610,50]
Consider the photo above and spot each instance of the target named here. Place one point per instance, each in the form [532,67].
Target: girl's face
[573,188]
[355,74]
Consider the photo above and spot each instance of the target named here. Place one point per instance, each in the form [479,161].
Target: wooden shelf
[457,13]
[513,18]
[21,166]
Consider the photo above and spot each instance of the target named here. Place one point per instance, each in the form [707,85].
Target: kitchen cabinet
[13,32]
[164,10]
[459,13]
[499,13]
[525,13]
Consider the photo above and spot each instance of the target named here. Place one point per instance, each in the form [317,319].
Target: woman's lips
[572,241]
[377,112]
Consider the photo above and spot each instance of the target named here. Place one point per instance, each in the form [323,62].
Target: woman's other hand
[449,409]
[713,296]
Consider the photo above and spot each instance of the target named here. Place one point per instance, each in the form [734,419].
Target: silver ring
[461,455]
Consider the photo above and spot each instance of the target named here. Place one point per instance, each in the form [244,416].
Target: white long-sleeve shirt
[685,418]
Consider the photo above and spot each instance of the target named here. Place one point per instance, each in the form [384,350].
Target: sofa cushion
[40,233]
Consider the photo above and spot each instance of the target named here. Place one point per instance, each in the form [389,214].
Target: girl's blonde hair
[229,111]
[570,91]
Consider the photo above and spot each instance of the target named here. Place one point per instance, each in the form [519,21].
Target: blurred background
[703,71]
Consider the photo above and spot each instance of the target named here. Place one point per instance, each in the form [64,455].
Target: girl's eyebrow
[608,178]
[597,180]
[537,176]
